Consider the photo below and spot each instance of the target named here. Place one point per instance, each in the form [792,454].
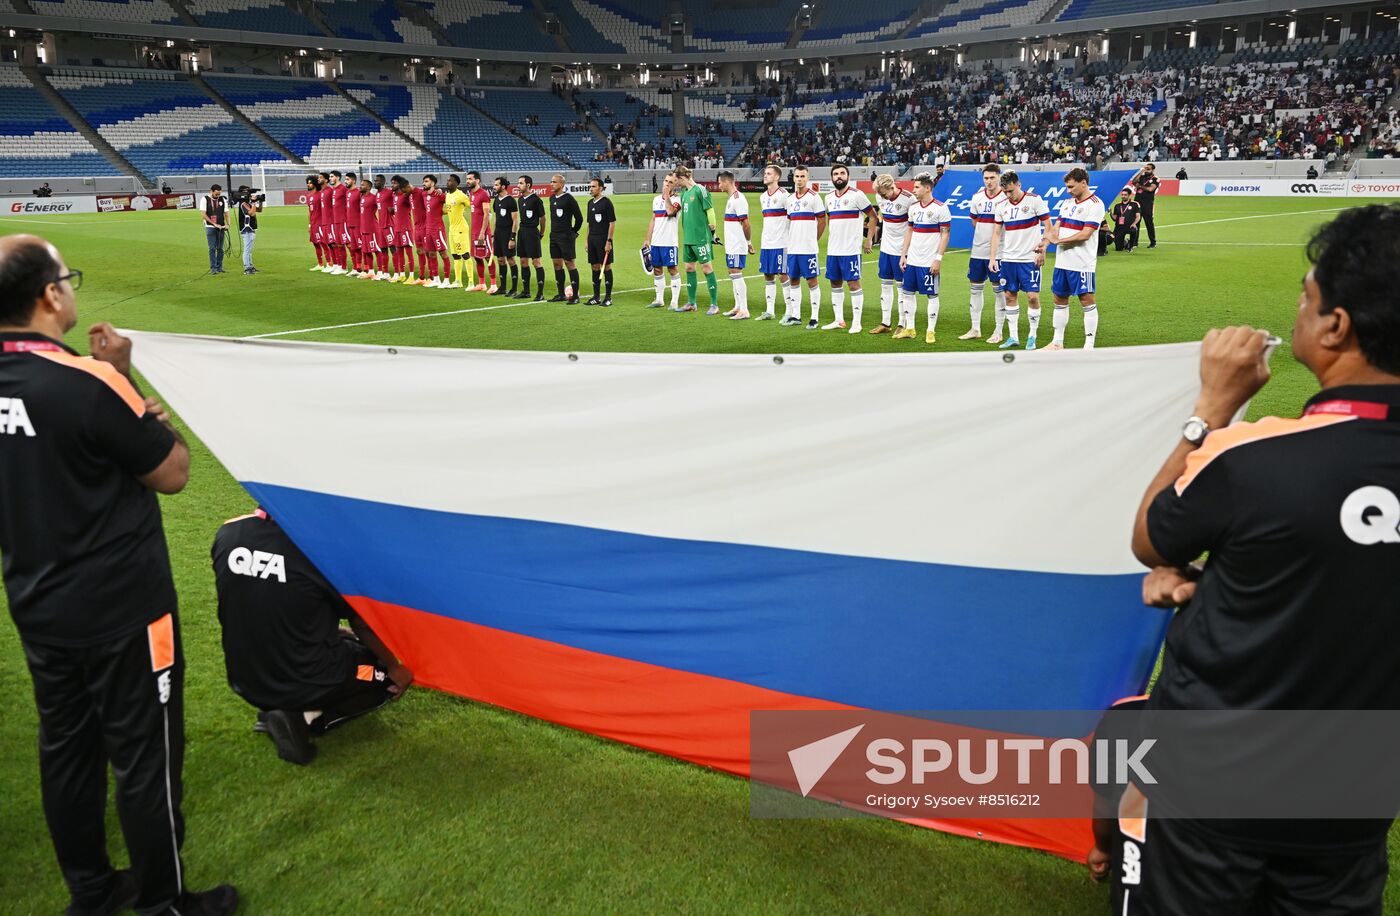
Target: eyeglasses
[74,277]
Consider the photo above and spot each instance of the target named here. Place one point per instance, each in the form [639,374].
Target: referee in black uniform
[1146,184]
[283,647]
[87,574]
[529,236]
[1298,606]
[565,220]
[507,214]
[602,220]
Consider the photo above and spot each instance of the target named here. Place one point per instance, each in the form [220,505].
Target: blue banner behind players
[958,185]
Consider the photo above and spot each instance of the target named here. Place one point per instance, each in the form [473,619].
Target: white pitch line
[1231,219]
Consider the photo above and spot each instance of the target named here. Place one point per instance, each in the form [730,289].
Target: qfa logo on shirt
[14,419]
[1371,515]
[257,564]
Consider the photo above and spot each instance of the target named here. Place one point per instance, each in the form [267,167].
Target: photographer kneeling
[249,205]
[215,209]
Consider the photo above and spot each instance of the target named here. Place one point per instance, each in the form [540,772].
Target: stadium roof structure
[1168,12]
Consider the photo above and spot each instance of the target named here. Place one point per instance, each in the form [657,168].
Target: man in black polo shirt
[528,238]
[602,220]
[283,647]
[87,574]
[1126,215]
[565,220]
[1296,607]
[506,217]
[1145,184]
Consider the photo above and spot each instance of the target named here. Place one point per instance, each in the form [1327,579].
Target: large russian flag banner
[649,547]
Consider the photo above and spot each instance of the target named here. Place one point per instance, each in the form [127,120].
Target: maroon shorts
[342,232]
[369,241]
[385,238]
[315,234]
[403,238]
[436,241]
[355,241]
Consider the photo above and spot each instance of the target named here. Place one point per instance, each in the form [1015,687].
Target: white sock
[1001,299]
[1013,322]
[932,312]
[975,306]
[741,294]
[816,297]
[792,302]
[907,304]
[660,288]
[1033,315]
[675,290]
[886,301]
[1091,325]
[770,295]
[857,306]
[1060,320]
[838,304]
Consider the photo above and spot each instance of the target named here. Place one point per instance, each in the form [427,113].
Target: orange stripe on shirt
[1222,440]
[101,371]
[161,636]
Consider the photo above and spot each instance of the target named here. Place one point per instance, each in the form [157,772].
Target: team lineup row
[1012,232]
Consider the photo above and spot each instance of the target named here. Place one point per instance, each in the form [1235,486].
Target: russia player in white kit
[925,243]
[1018,253]
[773,249]
[846,209]
[738,243]
[1076,258]
[983,210]
[894,218]
[664,238]
[806,223]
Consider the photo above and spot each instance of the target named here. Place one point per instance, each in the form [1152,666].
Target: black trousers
[1164,868]
[120,703]
[365,689]
[1125,237]
[1148,202]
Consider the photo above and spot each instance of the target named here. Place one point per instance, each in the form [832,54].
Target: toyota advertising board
[43,206]
[1374,187]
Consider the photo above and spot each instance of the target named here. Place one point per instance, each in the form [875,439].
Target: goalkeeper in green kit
[697,239]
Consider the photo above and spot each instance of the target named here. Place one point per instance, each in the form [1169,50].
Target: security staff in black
[283,647]
[1126,216]
[528,237]
[1296,607]
[87,575]
[565,220]
[506,214]
[1145,185]
[602,222]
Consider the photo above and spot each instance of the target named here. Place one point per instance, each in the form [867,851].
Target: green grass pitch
[437,805]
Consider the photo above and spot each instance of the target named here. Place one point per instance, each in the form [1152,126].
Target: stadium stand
[503,24]
[1375,46]
[1104,67]
[365,21]
[465,136]
[1089,9]
[159,121]
[607,26]
[320,125]
[545,118]
[1180,58]
[153,11]
[251,15]
[1287,53]
[844,23]
[764,27]
[972,15]
[37,140]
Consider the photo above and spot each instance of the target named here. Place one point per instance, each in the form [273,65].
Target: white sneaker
[995,338]
[971,334]
[855,329]
[493,289]
[835,325]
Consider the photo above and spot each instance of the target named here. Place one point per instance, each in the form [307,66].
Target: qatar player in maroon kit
[367,227]
[481,232]
[420,232]
[384,205]
[323,211]
[339,226]
[352,225]
[401,231]
[313,220]
[434,233]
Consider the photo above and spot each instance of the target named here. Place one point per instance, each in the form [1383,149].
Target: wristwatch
[1195,430]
